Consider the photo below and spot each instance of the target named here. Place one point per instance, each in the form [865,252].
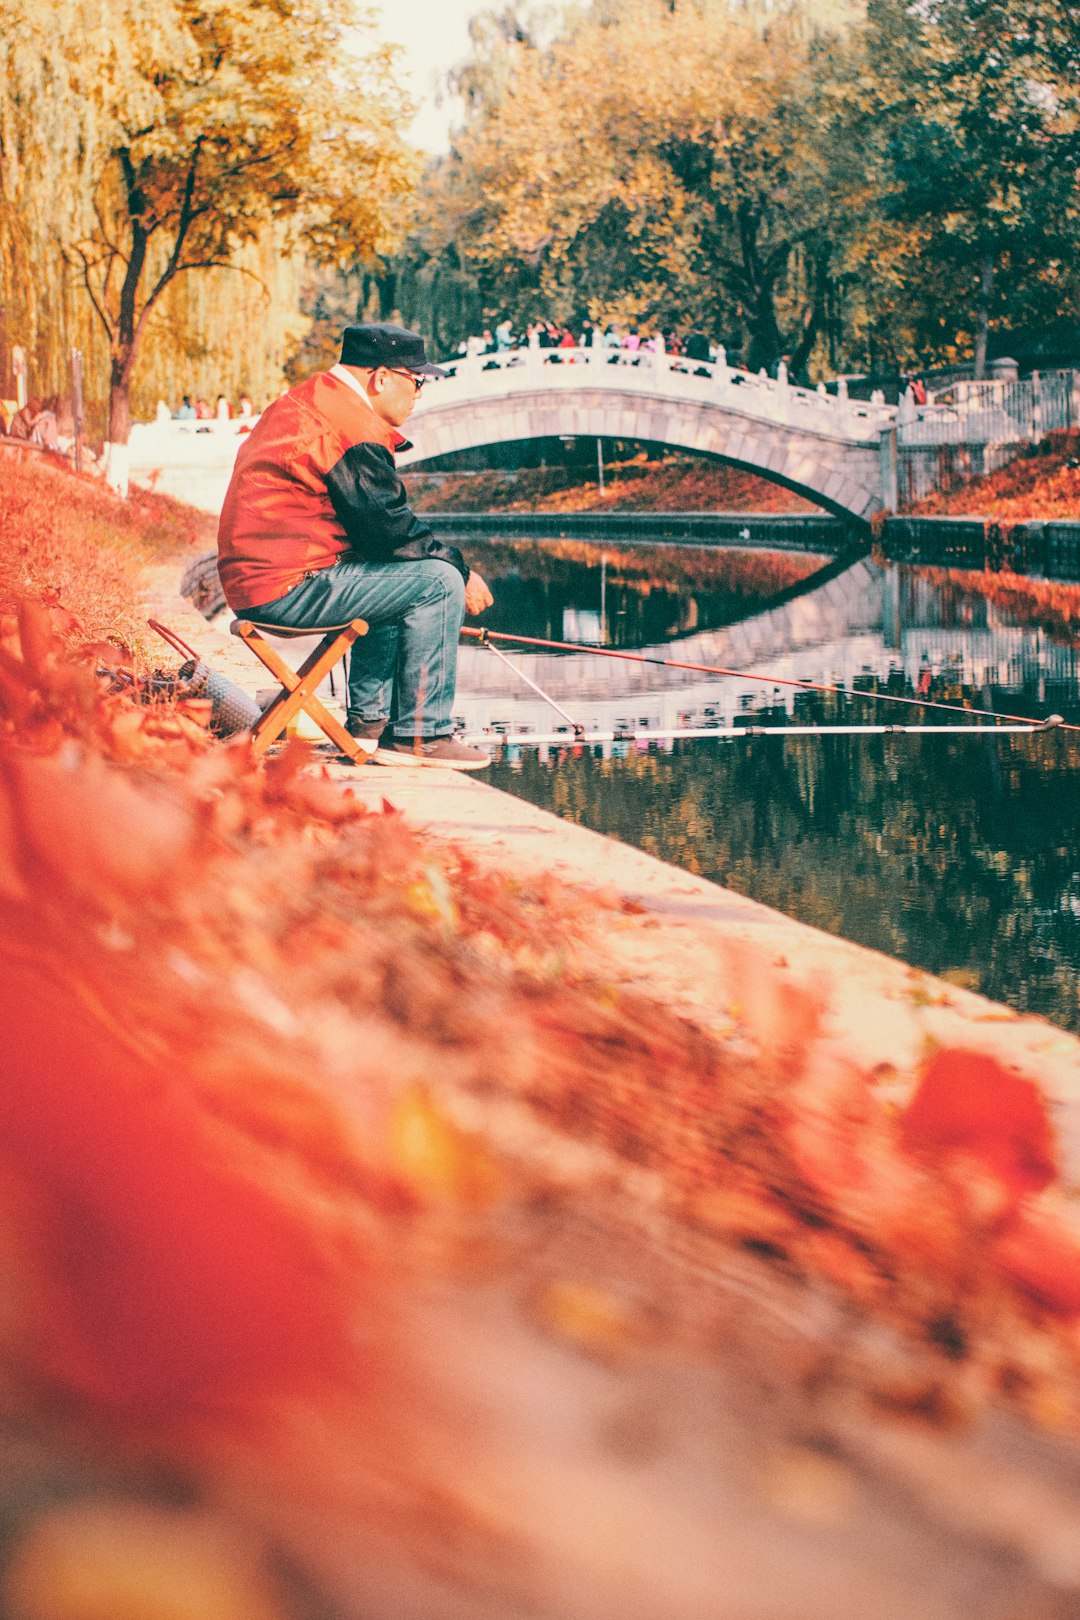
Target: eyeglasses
[417,382]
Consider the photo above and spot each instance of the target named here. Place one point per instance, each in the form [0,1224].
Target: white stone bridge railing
[990,413]
[768,399]
[971,413]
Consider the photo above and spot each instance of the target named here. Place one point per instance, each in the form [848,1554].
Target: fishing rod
[1024,722]
[647,734]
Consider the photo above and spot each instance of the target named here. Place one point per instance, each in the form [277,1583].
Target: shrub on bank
[1042,482]
[673,484]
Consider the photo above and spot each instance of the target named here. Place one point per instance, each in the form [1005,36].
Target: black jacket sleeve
[369,500]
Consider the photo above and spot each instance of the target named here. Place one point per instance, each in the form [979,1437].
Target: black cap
[380,345]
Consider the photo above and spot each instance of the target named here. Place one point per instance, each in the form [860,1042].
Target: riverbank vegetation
[67,539]
[1043,481]
[639,484]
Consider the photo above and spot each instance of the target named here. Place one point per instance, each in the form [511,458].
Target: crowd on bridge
[621,340]
[625,344]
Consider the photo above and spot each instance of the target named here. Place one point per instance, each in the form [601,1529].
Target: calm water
[957,854]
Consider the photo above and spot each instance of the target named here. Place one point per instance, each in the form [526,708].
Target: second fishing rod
[1000,717]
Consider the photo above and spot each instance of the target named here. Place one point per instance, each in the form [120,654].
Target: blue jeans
[404,670]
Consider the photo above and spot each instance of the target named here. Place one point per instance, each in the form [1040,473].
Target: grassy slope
[67,537]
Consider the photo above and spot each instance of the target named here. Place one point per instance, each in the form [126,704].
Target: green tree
[774,178]
[979,101]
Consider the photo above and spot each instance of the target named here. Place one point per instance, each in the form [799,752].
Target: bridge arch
[790,436]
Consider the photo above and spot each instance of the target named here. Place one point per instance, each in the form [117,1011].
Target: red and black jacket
[315,484]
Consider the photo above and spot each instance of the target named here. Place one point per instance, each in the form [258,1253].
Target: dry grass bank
[69,538]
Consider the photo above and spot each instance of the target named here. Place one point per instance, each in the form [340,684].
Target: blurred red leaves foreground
[261,1048]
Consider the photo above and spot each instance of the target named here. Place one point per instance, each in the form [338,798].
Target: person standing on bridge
[316,530]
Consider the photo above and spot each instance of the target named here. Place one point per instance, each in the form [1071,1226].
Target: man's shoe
[366,728]
[368,733]
[445,751]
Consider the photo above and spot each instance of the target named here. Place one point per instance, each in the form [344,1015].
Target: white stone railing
[969,413]
[994,412]
[770,399]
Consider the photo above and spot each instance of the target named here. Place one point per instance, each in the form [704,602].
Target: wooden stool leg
[298,689]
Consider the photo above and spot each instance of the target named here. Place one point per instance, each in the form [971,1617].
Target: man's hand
[477,595]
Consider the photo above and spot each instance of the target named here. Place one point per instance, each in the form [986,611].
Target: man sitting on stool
[316,530]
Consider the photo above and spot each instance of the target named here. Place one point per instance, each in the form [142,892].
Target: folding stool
[298,685]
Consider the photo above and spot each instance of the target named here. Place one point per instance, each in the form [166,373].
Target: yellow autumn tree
[193,137]
[657,164]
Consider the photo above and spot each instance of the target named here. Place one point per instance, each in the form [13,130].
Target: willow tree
[212,120]
[48,150]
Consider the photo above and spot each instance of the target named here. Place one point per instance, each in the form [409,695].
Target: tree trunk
[982,335]
[766,344]
[116,448]
[120,403]
[127,327]
[815,314]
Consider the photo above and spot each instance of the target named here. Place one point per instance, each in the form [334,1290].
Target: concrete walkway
[690,943]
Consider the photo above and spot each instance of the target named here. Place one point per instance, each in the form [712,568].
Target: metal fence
[988,413]
[922,469]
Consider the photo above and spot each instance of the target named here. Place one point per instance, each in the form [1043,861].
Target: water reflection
[626,596]
[958,854]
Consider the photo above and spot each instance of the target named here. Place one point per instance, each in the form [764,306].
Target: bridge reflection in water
[960,855]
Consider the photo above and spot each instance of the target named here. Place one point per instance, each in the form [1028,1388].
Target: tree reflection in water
[958,855]
[646,593]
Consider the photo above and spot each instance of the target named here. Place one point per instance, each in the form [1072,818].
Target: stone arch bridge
[825,447]
[847,456]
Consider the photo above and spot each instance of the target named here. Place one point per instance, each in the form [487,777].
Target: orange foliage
[674,484]
[1043,482]
[166,1275]
[968,1104]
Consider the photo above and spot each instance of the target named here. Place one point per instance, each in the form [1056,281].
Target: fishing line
[574,725]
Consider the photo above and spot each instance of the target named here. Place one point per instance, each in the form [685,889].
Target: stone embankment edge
[711,954]
[1043,548]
